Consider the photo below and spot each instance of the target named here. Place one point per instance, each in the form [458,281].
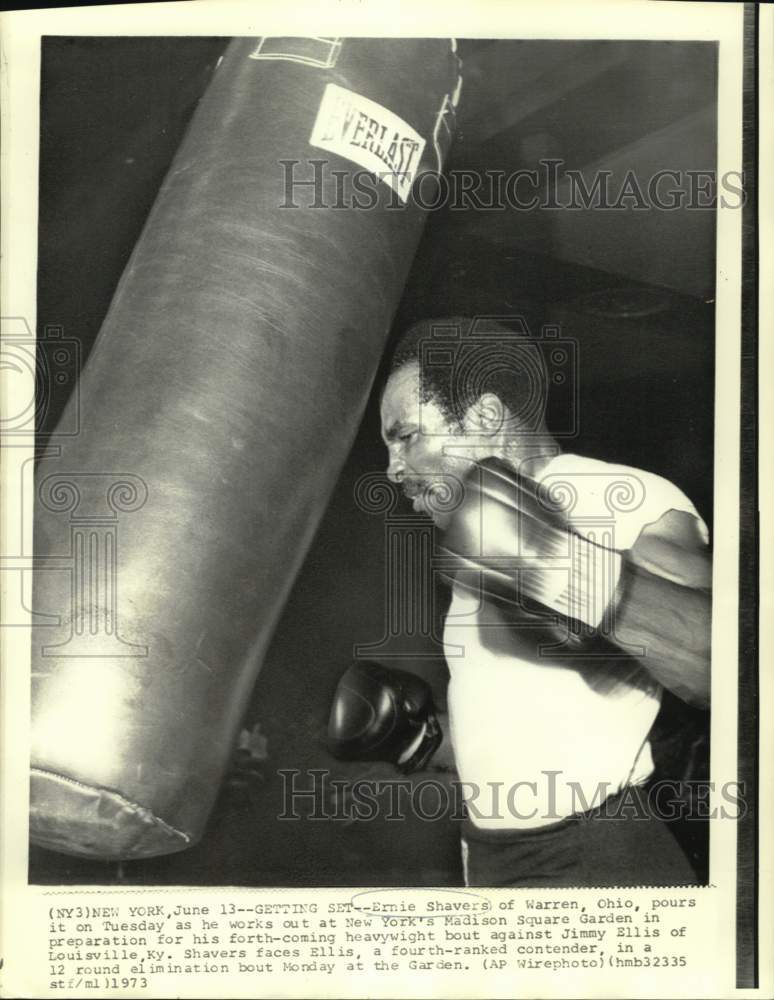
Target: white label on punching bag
[371,136]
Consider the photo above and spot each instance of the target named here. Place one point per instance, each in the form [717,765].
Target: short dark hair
[460,358]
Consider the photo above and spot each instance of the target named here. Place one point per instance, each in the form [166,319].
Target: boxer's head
[456,395]
[421,440]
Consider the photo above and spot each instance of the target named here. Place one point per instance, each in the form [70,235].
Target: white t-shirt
[537,739]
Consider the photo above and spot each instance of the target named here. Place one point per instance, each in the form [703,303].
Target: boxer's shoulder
[636,499]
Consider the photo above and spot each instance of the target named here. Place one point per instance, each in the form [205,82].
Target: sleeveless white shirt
[538,739]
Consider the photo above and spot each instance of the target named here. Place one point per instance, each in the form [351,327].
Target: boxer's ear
[487,415]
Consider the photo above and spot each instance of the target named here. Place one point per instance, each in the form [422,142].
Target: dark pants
[620,843]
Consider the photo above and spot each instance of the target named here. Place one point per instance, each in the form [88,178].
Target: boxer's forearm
[670,623]
[443,758]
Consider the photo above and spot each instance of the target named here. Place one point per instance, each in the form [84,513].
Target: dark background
[634,289]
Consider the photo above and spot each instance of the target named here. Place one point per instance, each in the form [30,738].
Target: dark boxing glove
[381,713]
[511,542]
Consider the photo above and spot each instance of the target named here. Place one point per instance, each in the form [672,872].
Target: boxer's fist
[381,713]
[507,539]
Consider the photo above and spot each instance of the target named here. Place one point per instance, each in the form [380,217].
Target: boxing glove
[381,713]
[511,542]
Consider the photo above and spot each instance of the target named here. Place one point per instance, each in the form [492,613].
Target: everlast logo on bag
[371,136]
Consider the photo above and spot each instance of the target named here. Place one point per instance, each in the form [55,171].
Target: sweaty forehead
[400,400]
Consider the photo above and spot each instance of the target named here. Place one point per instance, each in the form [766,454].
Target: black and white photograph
[382,531]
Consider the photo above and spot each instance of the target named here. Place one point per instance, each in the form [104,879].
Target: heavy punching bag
[215,413]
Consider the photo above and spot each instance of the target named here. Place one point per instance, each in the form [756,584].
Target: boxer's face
[425,447]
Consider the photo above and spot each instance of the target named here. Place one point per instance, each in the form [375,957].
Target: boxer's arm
[443,758]
[664,604]
[505,531]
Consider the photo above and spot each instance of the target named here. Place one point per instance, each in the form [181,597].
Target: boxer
[558,732]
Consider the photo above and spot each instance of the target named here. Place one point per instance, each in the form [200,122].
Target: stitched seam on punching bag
[134,807]
[298,50]
[447,116]
[443,144]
